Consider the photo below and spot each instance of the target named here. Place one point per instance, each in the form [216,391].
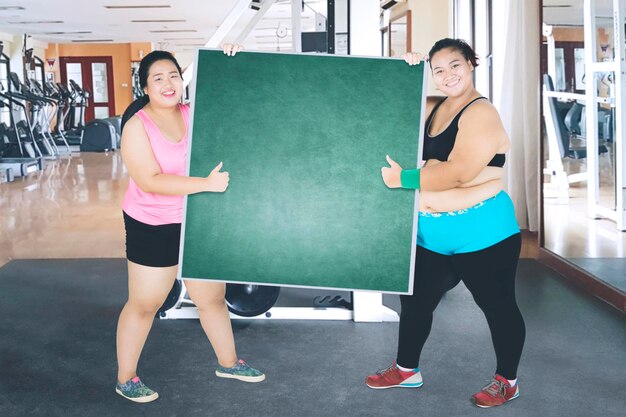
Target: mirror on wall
[582,169]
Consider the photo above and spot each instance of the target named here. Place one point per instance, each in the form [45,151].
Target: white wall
[13,49]
[430,21]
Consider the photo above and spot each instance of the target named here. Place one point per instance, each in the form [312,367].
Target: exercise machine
[250,301]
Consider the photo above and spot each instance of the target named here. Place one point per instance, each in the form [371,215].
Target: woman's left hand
[231,49]
[413,58]
[391,175]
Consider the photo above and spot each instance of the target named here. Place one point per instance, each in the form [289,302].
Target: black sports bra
[439,147]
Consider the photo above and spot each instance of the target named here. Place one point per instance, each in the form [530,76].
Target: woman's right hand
[230,49]
[217,181]
[413,58]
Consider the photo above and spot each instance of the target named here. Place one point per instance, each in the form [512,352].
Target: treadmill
[21,92]
[14,166]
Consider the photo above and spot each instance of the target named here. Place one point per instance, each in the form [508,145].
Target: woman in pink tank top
[154,149]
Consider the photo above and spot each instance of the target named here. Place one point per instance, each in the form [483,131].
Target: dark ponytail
[133,108]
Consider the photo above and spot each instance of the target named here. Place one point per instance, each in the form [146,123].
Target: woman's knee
[144,307]
[209,299]
[419,304]
[211,302]
[496,304]
[207,295]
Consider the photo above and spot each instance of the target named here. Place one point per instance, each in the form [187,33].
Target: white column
[296,25]
[591,108]
[619,15]
[364,31]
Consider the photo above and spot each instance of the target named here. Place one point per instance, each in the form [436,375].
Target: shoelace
[386,370]
[495,387]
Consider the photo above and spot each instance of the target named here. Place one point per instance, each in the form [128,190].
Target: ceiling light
[7,8]
[182,39]
[173,30]
[155,6]
[92,40]
[36,22]
[67,33]
[158,21]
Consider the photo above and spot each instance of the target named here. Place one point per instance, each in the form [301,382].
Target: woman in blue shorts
[467,229]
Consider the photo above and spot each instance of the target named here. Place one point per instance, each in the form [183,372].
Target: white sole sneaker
[491,406]
[146,399]
[414,385]
[241,377]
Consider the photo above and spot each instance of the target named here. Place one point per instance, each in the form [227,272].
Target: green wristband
[410,178]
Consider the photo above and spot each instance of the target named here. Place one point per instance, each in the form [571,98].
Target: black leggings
[489,274]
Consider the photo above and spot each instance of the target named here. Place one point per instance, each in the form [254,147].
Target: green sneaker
[241,371]
[136,391]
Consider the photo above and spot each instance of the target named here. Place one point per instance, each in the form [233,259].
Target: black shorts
[152,245]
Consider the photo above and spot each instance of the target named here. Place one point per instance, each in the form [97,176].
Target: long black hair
[144,69]
[455,44]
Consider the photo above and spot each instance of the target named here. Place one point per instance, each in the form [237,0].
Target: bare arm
[458,198]
[146,172]
[480,136]
[486,175]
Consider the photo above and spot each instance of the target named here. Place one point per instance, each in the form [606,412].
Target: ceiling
[570,12]
[181,26]
[176,25]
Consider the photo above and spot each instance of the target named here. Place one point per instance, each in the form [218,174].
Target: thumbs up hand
[391,174]
[217,181]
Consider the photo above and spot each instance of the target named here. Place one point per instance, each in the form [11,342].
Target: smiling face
[452,73]
[164,84]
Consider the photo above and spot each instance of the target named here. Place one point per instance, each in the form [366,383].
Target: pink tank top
[156,209]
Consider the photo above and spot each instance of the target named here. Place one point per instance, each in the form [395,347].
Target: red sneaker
[497,392]
[393,377]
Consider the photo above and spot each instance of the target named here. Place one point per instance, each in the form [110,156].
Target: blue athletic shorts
[469,230]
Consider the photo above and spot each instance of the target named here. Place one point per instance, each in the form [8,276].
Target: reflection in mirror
[559,58]
[577,228]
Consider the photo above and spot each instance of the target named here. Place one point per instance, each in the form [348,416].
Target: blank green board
[304,138]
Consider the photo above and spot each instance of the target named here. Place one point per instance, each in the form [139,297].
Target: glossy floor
[569,232]
[72,209]
[595,245]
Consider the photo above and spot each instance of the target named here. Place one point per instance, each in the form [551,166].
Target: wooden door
[93,74]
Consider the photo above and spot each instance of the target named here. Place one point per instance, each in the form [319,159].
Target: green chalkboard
[304,138]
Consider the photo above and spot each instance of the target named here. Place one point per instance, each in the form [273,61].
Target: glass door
[94,76]
[100,88]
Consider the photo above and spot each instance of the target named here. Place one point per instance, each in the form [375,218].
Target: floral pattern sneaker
[136,391]
[241,371]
